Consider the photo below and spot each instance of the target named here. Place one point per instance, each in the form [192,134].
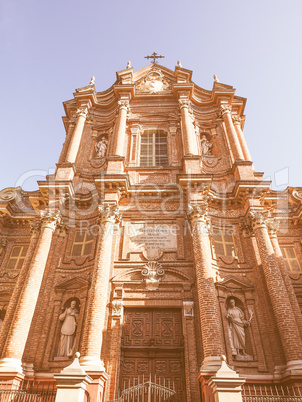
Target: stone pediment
[232,282]
[72,284]
[170,275]
[154,82]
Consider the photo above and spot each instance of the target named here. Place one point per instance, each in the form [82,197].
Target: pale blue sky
[49,48]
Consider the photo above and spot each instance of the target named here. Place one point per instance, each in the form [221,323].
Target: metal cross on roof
[154,56]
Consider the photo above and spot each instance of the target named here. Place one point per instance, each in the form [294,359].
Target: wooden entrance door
[152,347]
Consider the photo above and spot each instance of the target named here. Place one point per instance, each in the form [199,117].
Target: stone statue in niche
[206,146]
[237,324]
[68,330]
[101,147]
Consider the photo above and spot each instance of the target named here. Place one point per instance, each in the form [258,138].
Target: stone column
[98,294]
[207,298]
[286,322]
[120,129]
[188,132]
[272,231]
[19,329]
[243,144]
[231,132]
[76,135]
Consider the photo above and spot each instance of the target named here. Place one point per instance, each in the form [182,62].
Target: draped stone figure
[101,148]
[206,146]
[237,322]
[68,330]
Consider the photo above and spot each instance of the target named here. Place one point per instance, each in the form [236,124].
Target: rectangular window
[290,258]
[82,243]
[224,243]
[154,148]
[17,257]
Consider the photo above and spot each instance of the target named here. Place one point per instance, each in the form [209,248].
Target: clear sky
[49,48]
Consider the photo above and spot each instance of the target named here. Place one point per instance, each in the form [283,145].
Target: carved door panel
[152,349]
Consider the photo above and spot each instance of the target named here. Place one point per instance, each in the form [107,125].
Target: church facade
[154,249]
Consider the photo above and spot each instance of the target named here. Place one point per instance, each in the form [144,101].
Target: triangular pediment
[232,282]
[73,283]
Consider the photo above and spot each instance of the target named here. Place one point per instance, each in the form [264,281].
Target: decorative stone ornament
[199,213]
[188,308]
[117,308]
[152,273]
[154,82]
[8,194]
[109,213]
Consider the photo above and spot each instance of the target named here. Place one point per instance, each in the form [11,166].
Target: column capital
[184,103]
[199,213]
[236,119]
[123,104]
[259,219]
[35,227]
[272,227]
[50,219]
[82,111]
[109,213]
[246,227]
[225,109]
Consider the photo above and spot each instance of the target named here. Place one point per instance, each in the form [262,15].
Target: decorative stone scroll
[152,273]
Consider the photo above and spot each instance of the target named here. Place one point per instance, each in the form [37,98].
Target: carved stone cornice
[199,213]
[83,111]
[50,219]
[109,213]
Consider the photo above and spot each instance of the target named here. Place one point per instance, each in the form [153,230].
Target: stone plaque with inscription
[151,239]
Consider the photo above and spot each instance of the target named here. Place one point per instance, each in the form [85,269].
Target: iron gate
[145,390]
[29,391]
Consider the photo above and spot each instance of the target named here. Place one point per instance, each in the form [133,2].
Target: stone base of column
[191,164]
[210,365]
[9,365]
[92,364]
[97,387]
[226,384]
[115,164]
[65,171]
[72,382]
[294,367]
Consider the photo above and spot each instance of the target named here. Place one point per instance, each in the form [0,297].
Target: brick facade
[172,245]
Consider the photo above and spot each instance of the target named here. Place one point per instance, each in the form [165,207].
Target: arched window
[154,149]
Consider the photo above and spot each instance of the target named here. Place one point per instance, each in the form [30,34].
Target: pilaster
[286,322]
[208,303]
[19,329]
[231,132]
[97,303]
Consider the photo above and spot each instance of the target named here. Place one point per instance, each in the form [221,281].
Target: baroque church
[156,251]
